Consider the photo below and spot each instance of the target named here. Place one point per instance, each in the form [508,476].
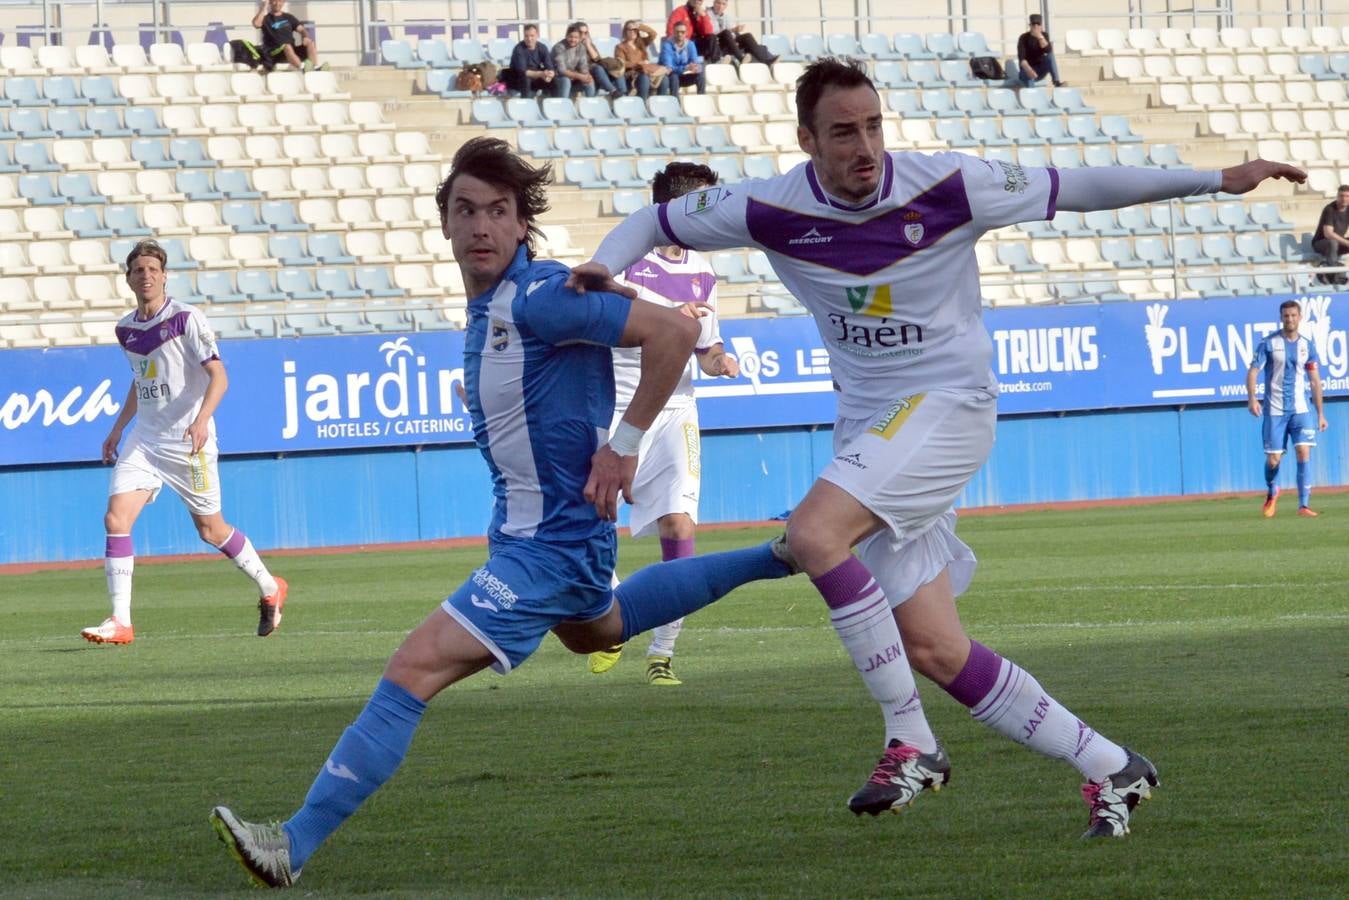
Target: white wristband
[626,439]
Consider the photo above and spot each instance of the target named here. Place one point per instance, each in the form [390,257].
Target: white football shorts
[146,466]
[907,464]
[669,470]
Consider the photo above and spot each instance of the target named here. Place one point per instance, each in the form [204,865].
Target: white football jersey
[892,283]
[671,283]
[167,353]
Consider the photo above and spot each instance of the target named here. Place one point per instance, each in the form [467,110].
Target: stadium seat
[374,280]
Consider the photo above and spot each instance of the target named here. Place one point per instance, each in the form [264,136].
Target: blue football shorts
[528,586]
[1299,429]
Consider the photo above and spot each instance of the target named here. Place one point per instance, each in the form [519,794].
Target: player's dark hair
[573,28]
[1287,303]
[147,248]
[678,178]
[826,72]
[1342,188]
[492,160]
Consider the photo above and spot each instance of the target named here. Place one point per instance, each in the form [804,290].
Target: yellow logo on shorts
[201,477]
[693,449]
[888,424]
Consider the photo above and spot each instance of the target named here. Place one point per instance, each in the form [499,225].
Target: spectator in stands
[608,66]
[702,31]
[177,381]
[1035,55]
[634,51]
[279,32]
[734,40]
[1329,240]
[531,71]
[680,56]
[576,71]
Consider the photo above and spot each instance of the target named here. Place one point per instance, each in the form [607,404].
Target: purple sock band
[678,548]
[841,584]
[233,545]
[978,677]
[118,546]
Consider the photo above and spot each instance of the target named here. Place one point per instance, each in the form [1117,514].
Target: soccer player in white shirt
[666,486]
[177,381]
[1290,364]
[880,248]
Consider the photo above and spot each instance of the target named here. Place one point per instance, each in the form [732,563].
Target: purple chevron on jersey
[861,247]
[144,338]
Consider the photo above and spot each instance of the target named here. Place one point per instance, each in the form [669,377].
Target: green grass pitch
[1202,635]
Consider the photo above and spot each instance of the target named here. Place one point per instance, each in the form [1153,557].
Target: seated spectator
[284,37]
[702,32]
[609,66]
[733,39]
[1329,239]
[531,71]
[680,56]
[575,72]
[1035,55]
[634,51]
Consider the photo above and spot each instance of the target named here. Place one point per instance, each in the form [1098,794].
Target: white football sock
[663,639]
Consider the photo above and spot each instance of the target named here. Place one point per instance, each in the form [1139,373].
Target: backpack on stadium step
[987,68]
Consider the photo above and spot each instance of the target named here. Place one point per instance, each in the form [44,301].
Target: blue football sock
[1304,483]
[667,591]
[1271,473]
[366,756]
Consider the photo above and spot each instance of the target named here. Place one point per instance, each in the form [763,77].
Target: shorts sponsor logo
[889,423]
[495,588]
[693,450]
[201,473]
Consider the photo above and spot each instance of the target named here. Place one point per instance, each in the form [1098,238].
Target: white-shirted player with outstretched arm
[879,247]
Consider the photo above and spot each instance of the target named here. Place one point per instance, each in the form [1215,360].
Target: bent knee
[939,661]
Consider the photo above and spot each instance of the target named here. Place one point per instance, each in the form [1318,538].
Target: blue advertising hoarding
[396,390]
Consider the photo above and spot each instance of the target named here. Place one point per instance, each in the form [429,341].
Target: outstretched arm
[1111,187]
[629,241]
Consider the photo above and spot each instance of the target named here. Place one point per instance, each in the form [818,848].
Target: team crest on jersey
[697,286]
[501,335]
[163,334]
[700,201]
[913,227]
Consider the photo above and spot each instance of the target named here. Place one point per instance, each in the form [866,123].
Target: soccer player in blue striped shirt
[1290,365]
[538,375]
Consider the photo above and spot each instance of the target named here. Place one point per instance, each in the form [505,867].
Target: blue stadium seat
[645,140]
[1219,247]
[714,139]
[280,216]
[177,254]
[399,55]
[954,133]
[597,111]
[537,142]
[730,265]
[1268,217]
[1069,99]
[31,156]
[973,103]
[910,46]
[583,172]
[1016,256]
[234,184]
[1235,217]
[196,184]
[877,46]
[125,221]
[22,91]
[1032,156]
[810,46]
[842,44]
[1164,155]
[84,221]
[1018,131]
[1085,129]
[1066,156]
[1052,130]
[679,139]
[1132,155]
[61,90]
[1238,285]
[181,285]
[1274,283]
[68,122]
[1314,64]
[30,124]
[7,165]
[150,154]
[620,173]
[1102,223]
[144,121]
[1188,251]
[189,153]
[78,188]
[1035,101]
[1117,128]
[609,141]
[938,102]
[957,72]
[436,54]
[1200,216]
[102,91]
[374,280]
[562,112]
[488,111]
[571,142]
[627,202]
[289,250]
[1004,102]
[760,165]
[298,284]
[1165,220]
[327,247]
[1291,247]
[632,110]
[973,43]
[217,286]
[668,110]
[1098,155]
[1119,252]
[941,44]
[727,168]
[523,112]
[242,217]
[890,73]
[905,104]
[468,50]
[1150,252]
[257,285]
[347,318]
[924,73]
[988,132]
[780,46]
[1252,247]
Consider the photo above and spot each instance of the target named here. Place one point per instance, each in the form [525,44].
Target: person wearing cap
[1035,55]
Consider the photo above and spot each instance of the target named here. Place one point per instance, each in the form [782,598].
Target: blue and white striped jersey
[1288,366]
[539,379]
